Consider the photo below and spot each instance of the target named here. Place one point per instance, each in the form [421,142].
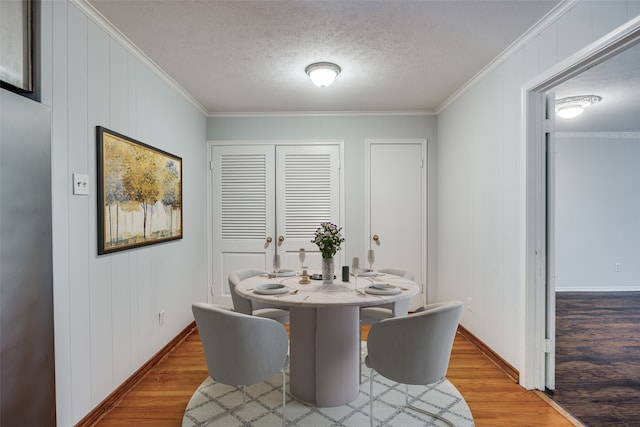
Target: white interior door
[307,193]
[268,199]
[397,208]
[243,213]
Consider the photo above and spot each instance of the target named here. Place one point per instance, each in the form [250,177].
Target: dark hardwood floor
[598,357]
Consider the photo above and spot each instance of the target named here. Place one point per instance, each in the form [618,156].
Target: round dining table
[324,329]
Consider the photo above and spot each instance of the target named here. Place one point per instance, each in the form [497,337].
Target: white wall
[597,212]
[353,130]
[106,307]
[480,208]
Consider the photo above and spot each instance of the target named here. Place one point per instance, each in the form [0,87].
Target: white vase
[327,271]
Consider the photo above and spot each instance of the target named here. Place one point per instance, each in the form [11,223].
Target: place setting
[375,289]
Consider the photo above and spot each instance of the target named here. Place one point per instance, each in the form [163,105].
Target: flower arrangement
[328,237]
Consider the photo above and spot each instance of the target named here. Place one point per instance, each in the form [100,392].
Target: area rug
[215,404]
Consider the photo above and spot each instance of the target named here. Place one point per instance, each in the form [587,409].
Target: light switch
[80,183]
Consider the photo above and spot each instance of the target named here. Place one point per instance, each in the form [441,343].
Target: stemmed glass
[355,269]
[276,264]
[301,256]
[371,257]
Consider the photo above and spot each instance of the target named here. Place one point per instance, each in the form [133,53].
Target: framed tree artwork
[16,45]
[139,193]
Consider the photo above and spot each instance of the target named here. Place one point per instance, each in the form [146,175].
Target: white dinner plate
[382,289]
[271,289]
[367,272]
[284,273]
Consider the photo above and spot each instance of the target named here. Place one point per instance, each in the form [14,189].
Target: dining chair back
[246,306]
[413,349]
[242,349]
[372,315]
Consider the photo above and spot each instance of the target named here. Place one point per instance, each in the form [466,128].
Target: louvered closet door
[243,207]
[307,193]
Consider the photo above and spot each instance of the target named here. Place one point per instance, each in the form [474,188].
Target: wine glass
[276,263]
[371,257]
[355,269]
[301,256]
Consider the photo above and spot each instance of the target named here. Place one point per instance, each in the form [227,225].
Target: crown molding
[324,114]
[518,44]
[93,14]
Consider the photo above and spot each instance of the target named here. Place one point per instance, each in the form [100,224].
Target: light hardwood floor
[495,400]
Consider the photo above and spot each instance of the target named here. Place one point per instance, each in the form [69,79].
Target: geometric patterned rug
[217,404]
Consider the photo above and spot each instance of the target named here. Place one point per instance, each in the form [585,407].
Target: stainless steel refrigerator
[27,385]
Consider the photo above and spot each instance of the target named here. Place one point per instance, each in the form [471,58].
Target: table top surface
[316,294]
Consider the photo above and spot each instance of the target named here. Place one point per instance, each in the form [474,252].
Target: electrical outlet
[80,184]
[469,303]
[161,318]
[618,267]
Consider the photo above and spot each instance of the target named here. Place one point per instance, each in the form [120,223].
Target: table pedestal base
[325,355]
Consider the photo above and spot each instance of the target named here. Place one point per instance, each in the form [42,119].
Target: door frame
[274,142]
[423,142]
[533,178]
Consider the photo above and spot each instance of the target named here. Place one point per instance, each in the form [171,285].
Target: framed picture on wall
[139,193]
[16,45]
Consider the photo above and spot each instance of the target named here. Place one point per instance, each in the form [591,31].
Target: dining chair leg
[360,344]
[284,399]
[422,411]
[371,397]
[244,394]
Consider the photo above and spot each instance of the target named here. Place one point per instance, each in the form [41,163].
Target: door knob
[280,239]
[376,238]
[269,239]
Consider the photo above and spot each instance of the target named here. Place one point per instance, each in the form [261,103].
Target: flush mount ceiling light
[573,106]
[322,74]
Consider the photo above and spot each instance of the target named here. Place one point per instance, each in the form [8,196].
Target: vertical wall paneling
[492,275]
[100,275]
[78,212]
[633,8]
[106,308]
[581,25]
[118,86]
[548,48]
[531,56]
[564,47]
[608,15]
[120,313]
[60,206]
[512,70]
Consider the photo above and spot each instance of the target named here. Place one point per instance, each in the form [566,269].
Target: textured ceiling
[250,56]
[617,81]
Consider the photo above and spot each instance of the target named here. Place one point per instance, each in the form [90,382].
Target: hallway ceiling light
[573,106]
[322,74]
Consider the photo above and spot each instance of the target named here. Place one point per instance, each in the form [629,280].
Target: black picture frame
[139,193]
[16,45]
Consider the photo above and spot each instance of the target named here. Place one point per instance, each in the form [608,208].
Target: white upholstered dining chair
[413,349]
[242,349]
[246,306]
[372,315]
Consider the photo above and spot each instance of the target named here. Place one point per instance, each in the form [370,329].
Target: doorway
[538,316]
